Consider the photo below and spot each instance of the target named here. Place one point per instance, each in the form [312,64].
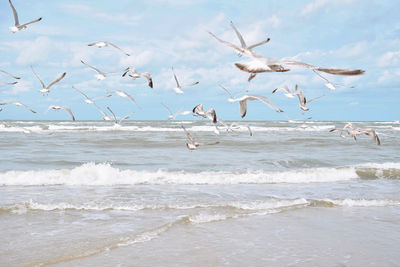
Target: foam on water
[105,174]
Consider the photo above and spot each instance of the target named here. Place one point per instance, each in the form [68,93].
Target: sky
[159,34]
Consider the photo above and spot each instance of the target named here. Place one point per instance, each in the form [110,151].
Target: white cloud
[391,58]
[317,5]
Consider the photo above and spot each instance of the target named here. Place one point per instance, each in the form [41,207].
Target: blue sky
[353,34]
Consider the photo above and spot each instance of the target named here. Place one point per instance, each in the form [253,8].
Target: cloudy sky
[351,34]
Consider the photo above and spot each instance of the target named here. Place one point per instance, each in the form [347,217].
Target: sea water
[91,193]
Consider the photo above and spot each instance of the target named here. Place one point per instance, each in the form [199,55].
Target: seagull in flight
[210,114]
[100,74]
[191,142]
[329,84]
[46,89]
[243,101]
[87,99]
[17,26]
[123,94]
[101,44]
[67,109]
[243,43]
[288,94]
[353,131]
[302,99]
[259,64]
[178,88]
[18,104]
[134,74]
[116,120]
[174,115]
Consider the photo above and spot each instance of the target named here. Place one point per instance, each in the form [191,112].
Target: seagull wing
[99,97]
[280,88]
[238,49]
[11,83]
[226,90]
[188,135]
[102,111]
[82,93]
[117,48]
[165,106]
[239,36]
[131,98]
[9,74]
[67,109]
[37,76]
[57,80]
[16,21]
[148,77]
[266,101]
[327,70]
[315,98]
[243,107]
[93,68]
[188,85]
[260,43]
[30,22]
[115,118]
[176,79]
[28,108]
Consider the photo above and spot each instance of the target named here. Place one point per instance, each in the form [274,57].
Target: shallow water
[86,193]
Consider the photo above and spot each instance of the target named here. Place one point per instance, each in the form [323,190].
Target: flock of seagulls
[255,65]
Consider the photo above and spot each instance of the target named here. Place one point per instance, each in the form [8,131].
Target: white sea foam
[105,174]
[363,202]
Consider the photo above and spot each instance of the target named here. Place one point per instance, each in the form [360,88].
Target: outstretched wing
[93,68]
[239,36]
[16,21]
[9,74]
[238,49]
[117,48]
[176,79]
[266,101]
[30,22]
[37,76]
[57,80]
[260,43]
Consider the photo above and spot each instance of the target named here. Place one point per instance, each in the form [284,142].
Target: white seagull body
[46,89]
[178,88]
[101,44]
[67,109]
[18,104]
[302,99]
[17,26]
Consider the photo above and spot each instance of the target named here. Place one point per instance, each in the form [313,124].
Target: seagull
[174,115]
[17,26]
[9,74]
[67,109]
[46,89]
[134,74]
[243,103]
[101,44]
[100,74]
[210,114]
[302,99]
[288,94]
[192,144]
[259,64]
[243,43]
[19,104]
[87,99]
[178,88]
[123,94]
[353,131]
[118,121]
[105,115]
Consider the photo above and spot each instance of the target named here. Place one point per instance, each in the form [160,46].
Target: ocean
[91,193]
